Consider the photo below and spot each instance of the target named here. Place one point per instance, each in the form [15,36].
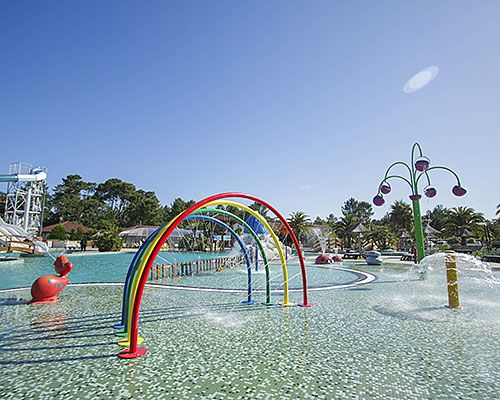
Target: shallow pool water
[89,267]
[392,338]
[94,267]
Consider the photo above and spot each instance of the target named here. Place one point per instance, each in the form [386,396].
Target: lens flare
[421,79]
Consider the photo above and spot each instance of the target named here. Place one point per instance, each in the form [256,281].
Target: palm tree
[300,223]
[382,236]
[344,228]
[259,208]
[401,216]
[461,218]
[438,217]
[233,210]
[361,210]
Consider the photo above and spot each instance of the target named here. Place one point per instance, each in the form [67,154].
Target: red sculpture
[46,288]
[326,258]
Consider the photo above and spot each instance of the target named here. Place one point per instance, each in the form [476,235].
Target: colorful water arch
[141,266]
[122,326]
[153,248]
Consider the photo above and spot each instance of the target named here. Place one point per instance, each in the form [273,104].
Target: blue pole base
[249,302]
[119,326]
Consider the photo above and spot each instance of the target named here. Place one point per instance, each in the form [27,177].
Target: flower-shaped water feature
[420,166]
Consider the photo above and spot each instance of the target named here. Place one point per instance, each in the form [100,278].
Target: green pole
[419,231]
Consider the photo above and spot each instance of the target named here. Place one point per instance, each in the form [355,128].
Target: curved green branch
[417,145]
[395,176]
[393,165]
[446,169]
[426,175]
[414,178]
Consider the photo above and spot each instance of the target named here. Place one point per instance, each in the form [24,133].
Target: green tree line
[105,207]
[384,232]
[111,203]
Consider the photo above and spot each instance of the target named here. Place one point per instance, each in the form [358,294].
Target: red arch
[134,351]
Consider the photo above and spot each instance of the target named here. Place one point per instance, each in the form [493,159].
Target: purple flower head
[458,190]
[415,197]
[385,188]
[378,200]
[422,164]
[430,191]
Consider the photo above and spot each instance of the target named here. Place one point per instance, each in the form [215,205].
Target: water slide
[35,175]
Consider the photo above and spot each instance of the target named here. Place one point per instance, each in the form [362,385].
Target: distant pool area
[89,267]
[109,267]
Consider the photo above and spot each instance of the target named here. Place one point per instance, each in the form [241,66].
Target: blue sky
[295,101]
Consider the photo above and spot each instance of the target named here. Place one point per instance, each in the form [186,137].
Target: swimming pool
[89,267]
[108,267]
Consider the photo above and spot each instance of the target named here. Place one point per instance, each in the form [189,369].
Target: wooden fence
[189,268]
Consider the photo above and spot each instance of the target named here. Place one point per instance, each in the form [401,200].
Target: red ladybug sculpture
[46,288]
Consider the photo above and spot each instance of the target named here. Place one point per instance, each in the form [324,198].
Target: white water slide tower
[25,198]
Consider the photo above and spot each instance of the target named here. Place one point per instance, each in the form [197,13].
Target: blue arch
[242,245]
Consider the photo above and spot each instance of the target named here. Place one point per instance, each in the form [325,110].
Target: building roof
[68,226]
[430,231]
[360,228]
[144,231]
[140,231]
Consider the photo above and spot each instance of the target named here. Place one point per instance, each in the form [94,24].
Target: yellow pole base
[287,304]
[126,342]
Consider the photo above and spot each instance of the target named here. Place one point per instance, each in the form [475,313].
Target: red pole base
[48,300]
[305,305]
[141,351]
